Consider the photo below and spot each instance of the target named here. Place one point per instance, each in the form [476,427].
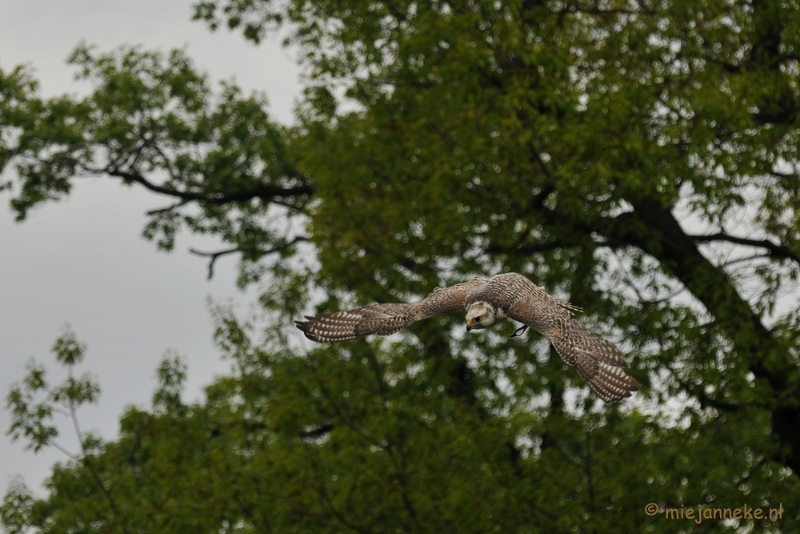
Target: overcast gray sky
[82,261]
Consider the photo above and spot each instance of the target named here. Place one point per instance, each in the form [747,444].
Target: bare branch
[166,209]
[778,174]
[318,431]
[775,250]
[289,205]
[745,259]
[64,450]
[216,255]
[265,191]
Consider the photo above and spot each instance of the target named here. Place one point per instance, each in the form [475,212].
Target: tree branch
[703,398]
[783,175]
[166,209]
[265,191]
[775,250]
[216,255]
[526,250]
[653,228]
[599,11]
[85,459]
[318,431]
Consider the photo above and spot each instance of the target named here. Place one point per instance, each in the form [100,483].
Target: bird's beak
[469,328]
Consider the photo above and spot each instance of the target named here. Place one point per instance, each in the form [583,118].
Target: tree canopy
[636,158]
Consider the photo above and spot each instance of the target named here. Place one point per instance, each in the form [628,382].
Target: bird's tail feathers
[380,319]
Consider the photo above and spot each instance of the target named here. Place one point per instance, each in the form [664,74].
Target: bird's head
[480,315]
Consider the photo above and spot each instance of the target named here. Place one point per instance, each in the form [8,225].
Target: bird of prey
[487,302]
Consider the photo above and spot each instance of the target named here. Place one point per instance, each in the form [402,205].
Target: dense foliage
[637,158]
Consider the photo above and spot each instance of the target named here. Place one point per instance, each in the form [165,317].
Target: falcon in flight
[487,302]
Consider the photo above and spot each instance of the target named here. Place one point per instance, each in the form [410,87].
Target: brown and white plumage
[488,301]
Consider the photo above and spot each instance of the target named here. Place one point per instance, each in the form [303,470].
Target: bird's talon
[519,331]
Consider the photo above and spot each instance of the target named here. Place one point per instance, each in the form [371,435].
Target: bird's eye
[479,319]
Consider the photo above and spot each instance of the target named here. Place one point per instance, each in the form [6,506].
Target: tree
[637,158]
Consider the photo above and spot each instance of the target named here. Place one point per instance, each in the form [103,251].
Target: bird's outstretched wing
[599,362]
[385,319]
